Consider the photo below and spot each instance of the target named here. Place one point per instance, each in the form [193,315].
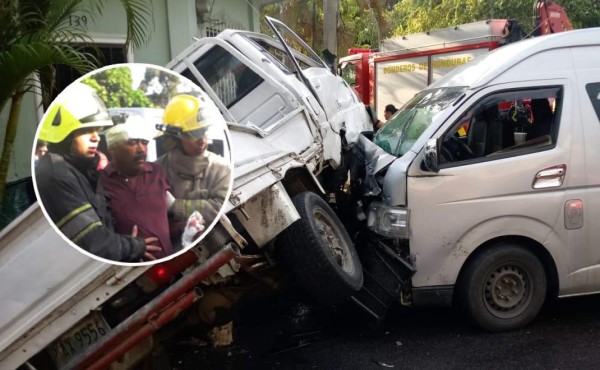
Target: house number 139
[79,21]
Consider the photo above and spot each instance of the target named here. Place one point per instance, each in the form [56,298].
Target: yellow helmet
[185,116]
[77,107]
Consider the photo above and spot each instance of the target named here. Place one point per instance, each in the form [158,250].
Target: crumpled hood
[368,160]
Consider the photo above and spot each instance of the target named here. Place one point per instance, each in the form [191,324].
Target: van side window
[504,124]
[593,91]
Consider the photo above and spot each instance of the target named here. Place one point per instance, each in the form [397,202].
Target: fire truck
[405,65]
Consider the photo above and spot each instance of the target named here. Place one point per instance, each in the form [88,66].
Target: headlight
[388,221]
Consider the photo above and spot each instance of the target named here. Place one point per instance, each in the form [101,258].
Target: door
[299,60]
[491,181]
[587,277]
[344,114]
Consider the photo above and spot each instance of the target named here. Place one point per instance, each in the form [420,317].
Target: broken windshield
[406,126]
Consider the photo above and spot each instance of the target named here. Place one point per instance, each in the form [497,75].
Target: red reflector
[163,273]
[159,274]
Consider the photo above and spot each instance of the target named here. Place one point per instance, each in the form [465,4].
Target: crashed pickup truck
[292,122]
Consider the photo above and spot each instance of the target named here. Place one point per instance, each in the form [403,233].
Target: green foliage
[361,23]
[114,87]
[583,13]
[364,23]
[411,16]
[159,86]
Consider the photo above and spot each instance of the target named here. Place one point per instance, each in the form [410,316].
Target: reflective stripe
[72,214]
[79,222]
[85,231]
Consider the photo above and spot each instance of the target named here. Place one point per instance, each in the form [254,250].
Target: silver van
[485,187]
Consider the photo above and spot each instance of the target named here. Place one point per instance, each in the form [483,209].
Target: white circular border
[207,230]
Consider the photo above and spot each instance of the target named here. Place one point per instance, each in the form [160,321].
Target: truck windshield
[401,131]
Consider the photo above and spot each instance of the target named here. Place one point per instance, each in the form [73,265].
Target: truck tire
[319,252]
[503,288]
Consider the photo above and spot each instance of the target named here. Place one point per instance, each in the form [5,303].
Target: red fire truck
[405,65]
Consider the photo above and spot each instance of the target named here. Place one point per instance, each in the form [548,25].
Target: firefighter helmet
[77,107]
[185,116]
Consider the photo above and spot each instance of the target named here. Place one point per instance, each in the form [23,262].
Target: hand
[149,247]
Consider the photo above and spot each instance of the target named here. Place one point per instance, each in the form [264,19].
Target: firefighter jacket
[197,183]
[73,198]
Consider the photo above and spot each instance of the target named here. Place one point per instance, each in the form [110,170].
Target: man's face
[194,147]
[387,114]
[129,157]
[41,151]
[85,142]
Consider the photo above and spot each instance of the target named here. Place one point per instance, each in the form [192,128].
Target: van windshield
[401,131]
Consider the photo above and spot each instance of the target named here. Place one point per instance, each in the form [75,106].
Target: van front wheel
[503,288]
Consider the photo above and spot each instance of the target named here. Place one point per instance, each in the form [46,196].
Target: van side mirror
[431,156]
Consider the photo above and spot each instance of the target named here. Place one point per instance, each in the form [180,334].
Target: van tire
[319,252]
[503,288]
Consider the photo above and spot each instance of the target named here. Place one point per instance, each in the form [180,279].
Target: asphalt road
[287,332]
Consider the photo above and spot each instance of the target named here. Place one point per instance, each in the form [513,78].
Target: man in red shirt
[138,190]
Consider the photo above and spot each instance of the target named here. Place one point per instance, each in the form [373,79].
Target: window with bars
[106,54]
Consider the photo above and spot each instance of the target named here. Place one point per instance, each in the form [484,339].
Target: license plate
[78,339]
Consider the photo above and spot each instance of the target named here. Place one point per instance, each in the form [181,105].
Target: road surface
[287,332]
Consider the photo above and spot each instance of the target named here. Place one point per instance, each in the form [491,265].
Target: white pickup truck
[291,122]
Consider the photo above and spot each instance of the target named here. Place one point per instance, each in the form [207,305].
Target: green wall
[175,26]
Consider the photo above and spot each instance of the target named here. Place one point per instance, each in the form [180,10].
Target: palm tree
[35,35]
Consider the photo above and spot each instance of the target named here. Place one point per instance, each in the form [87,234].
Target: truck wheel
[503,288]
[318,251]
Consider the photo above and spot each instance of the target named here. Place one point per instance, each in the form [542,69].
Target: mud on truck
[292,122]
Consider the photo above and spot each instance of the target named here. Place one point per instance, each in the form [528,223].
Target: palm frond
[21,60]
[140,20]
[58,16]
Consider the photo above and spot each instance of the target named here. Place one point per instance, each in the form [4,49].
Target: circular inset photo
[132,164]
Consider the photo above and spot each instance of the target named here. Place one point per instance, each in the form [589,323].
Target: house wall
[176,23]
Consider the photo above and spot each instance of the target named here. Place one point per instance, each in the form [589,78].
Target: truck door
[495,154]
[342,107]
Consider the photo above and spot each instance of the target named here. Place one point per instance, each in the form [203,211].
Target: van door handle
[551,177]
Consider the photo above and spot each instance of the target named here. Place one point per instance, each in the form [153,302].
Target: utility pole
[314,25]
[330,21]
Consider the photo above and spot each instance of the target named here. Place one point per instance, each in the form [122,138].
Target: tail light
[162,273]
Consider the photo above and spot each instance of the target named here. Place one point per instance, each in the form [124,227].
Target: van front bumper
[433,296]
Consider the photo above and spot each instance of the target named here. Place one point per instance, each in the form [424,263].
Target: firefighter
[67,178]
[199,182]
[199,178]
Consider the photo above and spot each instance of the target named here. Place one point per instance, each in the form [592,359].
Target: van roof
[485,68]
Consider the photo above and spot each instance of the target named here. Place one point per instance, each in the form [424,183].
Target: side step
[385,273]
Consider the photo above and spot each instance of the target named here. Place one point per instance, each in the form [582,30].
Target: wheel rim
[334,241]
[507,291]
